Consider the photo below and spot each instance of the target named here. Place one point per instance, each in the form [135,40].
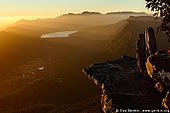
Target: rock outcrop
[154,63]
[123,87]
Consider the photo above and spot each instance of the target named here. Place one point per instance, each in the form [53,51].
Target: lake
[63,34]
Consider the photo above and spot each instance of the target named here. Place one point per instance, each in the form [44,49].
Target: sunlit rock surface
[123,86]
[158,68]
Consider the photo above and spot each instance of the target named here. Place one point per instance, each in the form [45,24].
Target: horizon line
[57,15]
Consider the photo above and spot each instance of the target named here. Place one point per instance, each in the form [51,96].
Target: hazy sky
[14,10]
[57,7]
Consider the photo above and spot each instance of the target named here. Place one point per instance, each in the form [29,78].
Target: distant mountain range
[69,22]
[126,12]
[84,13]
[98,13]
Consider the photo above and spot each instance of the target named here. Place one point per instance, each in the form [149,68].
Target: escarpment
[123,87]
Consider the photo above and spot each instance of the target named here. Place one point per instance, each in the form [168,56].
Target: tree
[162,9]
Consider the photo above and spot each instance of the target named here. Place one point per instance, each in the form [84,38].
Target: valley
[46,73]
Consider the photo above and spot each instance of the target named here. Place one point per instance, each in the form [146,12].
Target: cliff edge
[123,87]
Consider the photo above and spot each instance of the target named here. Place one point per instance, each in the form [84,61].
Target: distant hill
[121,37]
[66,22]
[98,13]
[128,12]
[84,13]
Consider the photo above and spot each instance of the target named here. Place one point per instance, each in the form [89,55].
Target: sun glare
[9,20]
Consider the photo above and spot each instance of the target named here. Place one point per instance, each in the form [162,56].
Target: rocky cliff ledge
[123,87]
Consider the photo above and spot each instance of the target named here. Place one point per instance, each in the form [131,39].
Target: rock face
[154,63]
[158,68]
[123,87]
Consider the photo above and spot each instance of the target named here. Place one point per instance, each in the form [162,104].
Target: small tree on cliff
[162,9]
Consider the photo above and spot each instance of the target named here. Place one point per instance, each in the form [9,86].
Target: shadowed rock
[154,63]
[123,86]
